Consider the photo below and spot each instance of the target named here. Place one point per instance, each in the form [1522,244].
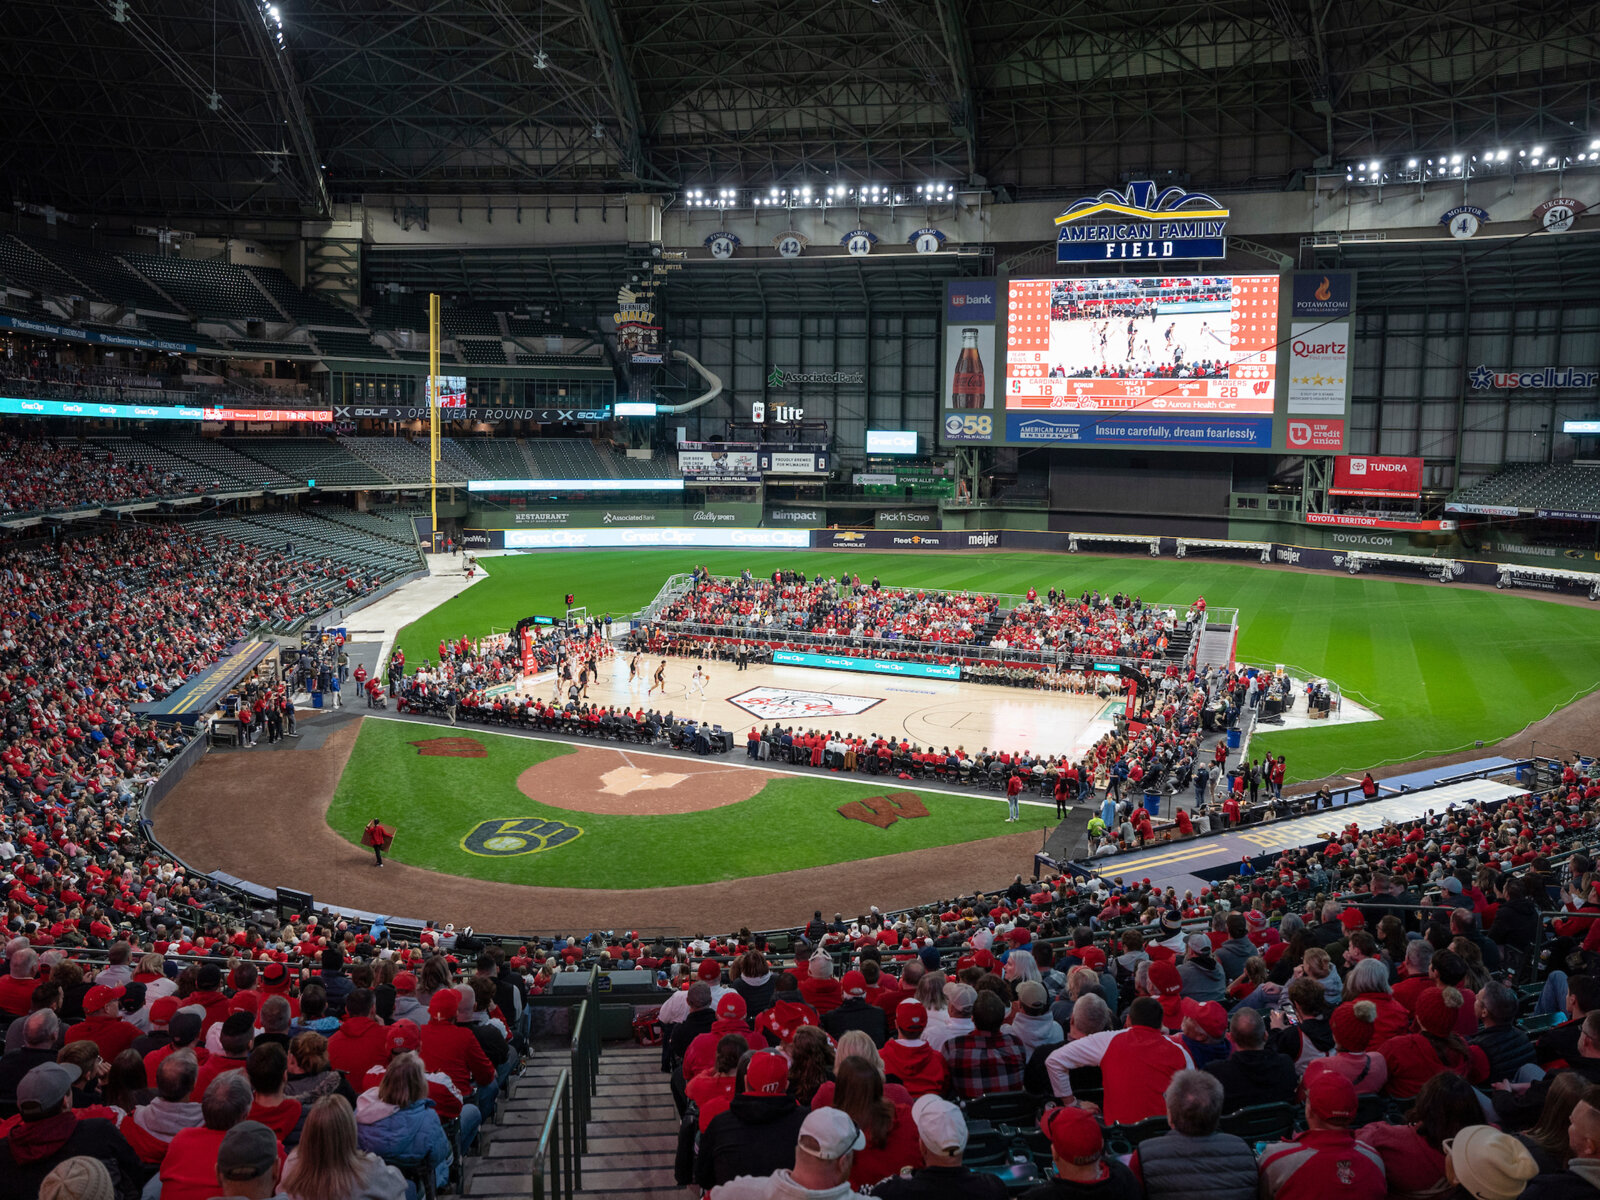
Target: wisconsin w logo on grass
[506,837]
[884,811]
[451,747]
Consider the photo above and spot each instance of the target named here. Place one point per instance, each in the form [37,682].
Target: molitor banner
[1142,222]
[725,516]
[718,461]
[419,412]
[906,518]
[1362,521]
[1371,475]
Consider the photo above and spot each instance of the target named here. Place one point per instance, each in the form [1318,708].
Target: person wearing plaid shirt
[987,1059]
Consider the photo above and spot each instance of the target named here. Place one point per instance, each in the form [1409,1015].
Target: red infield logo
[785,704]
[451,747]
[884,811]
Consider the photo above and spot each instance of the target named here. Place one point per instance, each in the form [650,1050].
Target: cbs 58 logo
[969,427]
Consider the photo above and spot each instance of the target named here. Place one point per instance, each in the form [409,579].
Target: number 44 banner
[859,242]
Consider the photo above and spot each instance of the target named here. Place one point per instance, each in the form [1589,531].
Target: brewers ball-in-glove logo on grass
[507,837]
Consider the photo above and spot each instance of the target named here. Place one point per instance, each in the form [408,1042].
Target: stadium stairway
[633,1134]
[1216,646]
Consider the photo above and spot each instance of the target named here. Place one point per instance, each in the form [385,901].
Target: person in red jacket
[102,1024]
[1325,1162]
[702,1052]
[456,1051]
[358,1044]
[917,1065]
[208,995]
[268,1071]
[819,988]
[16,989]
[1137,1063]
[1415,1058]
[189,1170]
[787,1014]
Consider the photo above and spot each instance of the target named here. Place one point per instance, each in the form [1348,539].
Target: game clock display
[1202,344]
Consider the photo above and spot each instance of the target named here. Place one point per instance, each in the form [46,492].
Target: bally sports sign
[1371,475]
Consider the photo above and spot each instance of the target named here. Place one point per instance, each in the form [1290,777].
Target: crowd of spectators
[839,607]
[45,474]
[1361,1010]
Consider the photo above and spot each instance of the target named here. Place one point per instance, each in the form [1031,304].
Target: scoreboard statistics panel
[1200,344]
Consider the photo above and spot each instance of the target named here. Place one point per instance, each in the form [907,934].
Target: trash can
[1233,738]
[1520,771]
[316,699]
[1152,803]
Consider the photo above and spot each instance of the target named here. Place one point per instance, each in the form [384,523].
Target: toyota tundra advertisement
[1370,475]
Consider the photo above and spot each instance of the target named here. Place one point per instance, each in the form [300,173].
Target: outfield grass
[791,823]
[1443,666]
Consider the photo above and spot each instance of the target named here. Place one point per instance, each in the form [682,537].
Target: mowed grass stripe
[1443,666]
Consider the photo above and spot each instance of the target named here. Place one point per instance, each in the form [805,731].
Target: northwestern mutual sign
[1142,223]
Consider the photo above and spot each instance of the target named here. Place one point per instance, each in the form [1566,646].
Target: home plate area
[628,783]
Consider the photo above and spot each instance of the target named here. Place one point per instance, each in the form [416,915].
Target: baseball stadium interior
[912,598]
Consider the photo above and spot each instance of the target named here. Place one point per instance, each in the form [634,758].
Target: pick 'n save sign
[1372,475]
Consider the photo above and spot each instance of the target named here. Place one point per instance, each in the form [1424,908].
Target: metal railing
[557,1154]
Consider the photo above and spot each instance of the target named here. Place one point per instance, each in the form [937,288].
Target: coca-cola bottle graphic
[968,389]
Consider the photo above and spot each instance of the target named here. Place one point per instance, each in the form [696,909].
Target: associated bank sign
[1142,222]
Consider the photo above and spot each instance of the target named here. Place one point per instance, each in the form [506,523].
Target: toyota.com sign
[1372,475]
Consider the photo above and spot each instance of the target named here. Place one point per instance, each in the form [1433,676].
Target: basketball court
[930,712]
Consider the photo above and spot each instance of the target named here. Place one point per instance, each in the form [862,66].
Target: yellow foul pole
[433,415]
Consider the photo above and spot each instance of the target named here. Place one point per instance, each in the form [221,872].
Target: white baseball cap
[829,1133]
[940,1125]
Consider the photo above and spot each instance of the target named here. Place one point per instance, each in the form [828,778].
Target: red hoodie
[357,1046]
[824,995]
[702,1052]
[917,1065]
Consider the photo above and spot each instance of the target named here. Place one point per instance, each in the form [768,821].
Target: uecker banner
[1370,475]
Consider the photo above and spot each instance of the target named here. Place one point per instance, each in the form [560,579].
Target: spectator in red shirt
[16,989]
[189,1169]
[102,1023]
[1326,1162]
[456,1051]
[268,1071]
[358,1044]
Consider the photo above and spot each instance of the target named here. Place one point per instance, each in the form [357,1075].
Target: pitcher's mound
[617,783]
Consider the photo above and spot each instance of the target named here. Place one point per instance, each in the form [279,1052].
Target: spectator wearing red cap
[787,1014]
[1352,1024]
[854,1012]
[1253,1074]
[1415,1058]
[918,1066]
[1204,1033]
[757,1134]
[405,1037]
[102,1022]
[988,1059]
[1083,1172]
[1166,985]
[157,1015]
[730,1018]
[407,1007]
[359,1044]
[1325,1162]
[1136,1062]
[456,1052]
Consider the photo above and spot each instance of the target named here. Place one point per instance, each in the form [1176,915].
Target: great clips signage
[1370,475]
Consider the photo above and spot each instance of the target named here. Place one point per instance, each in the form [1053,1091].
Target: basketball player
[698,681]
[633,671]
[583,681]
[659,680]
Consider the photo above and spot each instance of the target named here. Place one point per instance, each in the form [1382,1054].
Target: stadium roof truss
[263,108]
